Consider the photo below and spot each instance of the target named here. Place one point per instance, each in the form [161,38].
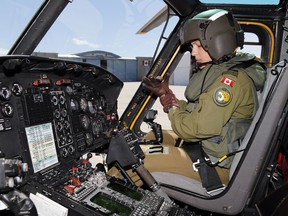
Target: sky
[86,25]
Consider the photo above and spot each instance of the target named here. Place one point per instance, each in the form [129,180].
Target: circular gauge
[69,137]
[88,139]
[54,100]
[85,121]
[96,128]
[91,107]
[74,104]
[64,112]
[17,89]
[62,140]
[59,126]
[83,104]
[71,149]
[57,114]
[5,93]
[66,124]
[64,152]
[62,99]
[7,110]
[69,90]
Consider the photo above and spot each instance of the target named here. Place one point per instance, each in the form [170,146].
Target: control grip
[119,151]
[151,182]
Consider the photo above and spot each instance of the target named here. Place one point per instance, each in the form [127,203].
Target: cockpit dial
[74,104]
[83,105]
[85,122]
[96,128]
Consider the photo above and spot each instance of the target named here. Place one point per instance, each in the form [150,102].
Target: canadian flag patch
[227,81]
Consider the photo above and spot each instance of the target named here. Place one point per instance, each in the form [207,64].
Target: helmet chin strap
[224,58]
[199,65]
[205,63]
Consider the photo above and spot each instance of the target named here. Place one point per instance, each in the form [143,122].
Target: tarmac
[128,92]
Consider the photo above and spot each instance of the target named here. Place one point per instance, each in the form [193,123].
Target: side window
[252,44]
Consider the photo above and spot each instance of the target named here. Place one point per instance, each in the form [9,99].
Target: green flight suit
[221,103]
[218,111]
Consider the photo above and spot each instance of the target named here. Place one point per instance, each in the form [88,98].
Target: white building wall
[182,71]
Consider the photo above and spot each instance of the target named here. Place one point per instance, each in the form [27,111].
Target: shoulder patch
[227,81]
[222,96]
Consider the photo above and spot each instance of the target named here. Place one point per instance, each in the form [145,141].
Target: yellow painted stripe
[149,97]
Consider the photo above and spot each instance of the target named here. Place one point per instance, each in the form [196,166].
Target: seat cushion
[180,181]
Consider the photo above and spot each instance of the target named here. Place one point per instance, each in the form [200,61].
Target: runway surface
[128,92]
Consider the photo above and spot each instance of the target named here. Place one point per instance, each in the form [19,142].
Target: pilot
[221,101]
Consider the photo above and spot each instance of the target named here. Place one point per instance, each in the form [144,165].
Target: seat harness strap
[208,174]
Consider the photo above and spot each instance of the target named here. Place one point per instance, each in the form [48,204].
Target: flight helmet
[217,30]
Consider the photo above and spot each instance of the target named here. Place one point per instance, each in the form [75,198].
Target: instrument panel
[54,111]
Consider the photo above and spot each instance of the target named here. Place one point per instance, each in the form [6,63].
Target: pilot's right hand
[168,100]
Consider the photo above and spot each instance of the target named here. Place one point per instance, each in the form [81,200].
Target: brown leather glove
[168,100]
[158,86]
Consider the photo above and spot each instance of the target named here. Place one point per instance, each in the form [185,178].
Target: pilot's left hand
[158,86]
